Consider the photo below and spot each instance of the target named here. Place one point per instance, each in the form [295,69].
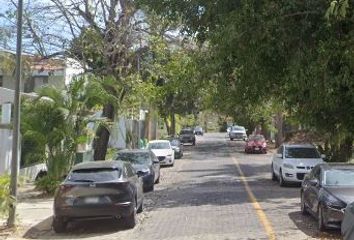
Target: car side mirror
[323,156]
[279,155]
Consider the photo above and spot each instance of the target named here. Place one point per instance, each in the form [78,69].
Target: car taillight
[65,188]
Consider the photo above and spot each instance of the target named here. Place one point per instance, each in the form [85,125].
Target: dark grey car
[325,193]
[187,136]
[177,146]
[97,190]
[348,223]
[145,164]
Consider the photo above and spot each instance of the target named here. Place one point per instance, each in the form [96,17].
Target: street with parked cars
[284,193]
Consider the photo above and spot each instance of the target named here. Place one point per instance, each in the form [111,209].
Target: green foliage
[48,184]
[5,198]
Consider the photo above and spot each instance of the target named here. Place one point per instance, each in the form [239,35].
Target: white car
[292,162]
[163,151]
[238,133]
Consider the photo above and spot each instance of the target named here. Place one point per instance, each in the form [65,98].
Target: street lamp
[16,125]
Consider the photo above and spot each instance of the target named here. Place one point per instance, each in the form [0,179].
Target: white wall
[5,139]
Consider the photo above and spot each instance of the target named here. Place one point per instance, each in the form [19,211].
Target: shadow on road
[308,226]
[75,230]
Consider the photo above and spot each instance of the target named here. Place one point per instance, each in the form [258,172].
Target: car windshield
[94,175]
[198,128]
[175,143]
[339,177]
[186,132]
[301,152]
[256,138]
[238,128]
[159,145]
[134,158]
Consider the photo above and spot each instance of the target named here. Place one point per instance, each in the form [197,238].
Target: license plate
[256,149]
[91,200]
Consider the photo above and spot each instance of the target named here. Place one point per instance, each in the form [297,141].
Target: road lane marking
[267,225]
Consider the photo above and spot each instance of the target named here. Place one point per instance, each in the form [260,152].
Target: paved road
[215,192]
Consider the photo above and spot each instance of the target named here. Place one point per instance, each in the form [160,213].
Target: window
[94,175]
[159,145]
[130,171]
[301,152]
[134,158]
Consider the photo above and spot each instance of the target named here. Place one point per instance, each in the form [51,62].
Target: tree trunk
[167,125]
[102,135]
[173,125]
[279,126]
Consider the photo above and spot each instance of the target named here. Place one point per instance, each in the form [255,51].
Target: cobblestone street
[204,197]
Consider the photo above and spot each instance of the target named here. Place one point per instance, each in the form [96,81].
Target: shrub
[5,198]
[47,184]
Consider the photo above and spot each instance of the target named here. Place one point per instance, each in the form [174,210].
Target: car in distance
[256,144]
[186,135]
[145,164]
[177,146]
[163,151]
[325,193]
[292,161]
[198,130]
[238,133]
[96,190]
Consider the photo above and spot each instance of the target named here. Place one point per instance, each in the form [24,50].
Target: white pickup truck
[34,172]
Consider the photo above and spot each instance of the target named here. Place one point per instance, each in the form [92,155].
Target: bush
[5,198]
[47,184]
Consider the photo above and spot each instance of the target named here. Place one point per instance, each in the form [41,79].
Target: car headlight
[332,202]
[287,165]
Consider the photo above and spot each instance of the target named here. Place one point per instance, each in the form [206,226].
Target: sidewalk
[34,212]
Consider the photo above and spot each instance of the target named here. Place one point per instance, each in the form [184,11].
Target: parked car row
[113,189]
[327,190]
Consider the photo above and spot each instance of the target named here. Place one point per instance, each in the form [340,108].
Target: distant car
[293,161]
[325,193]
[198,131]
[187,136]
[177,146]
[145,164]
[256,144]
[96,190]
[238,133]
[347,227]
[163,151]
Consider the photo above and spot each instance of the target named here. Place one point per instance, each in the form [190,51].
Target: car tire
[274,177]
[59,225]
[321,225]
[303,205]
[140,208]
[231,139]
[193,143]
[149,188]
[157,180]
[131,220]
[282,182]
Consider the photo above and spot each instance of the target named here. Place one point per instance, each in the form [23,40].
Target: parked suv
[238,133]
[293,161]
[187,136]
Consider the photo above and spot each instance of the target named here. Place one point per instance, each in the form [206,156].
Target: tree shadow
[308,225]
[75,229]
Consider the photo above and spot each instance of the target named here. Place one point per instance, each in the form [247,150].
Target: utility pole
[16,124]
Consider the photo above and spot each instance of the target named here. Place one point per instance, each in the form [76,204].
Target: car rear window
[298,152]
[94,175]
[175,143]
[339,177]
[186,132]
[238,128]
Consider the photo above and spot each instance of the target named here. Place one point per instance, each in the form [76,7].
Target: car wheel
[274,177]
[231,139]
[59,225]
[130,221]
[157,180]
[140,209]
[321,225]
[282,182]
[303,205]
[149,189]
